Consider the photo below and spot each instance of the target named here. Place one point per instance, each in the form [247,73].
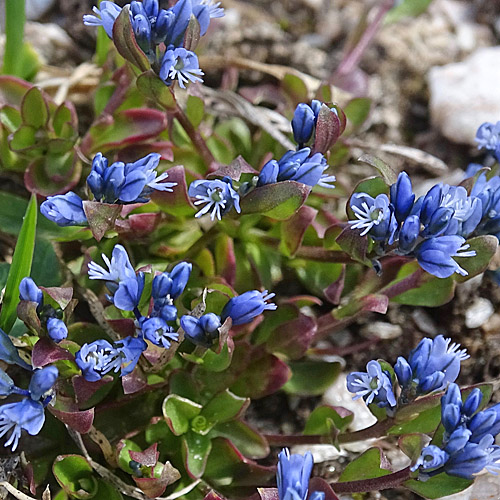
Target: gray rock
[464,95]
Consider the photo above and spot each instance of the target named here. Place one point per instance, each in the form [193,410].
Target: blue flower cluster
[50,317]
[160,33]
[468,440]
[159,326]
[28,413]
[431,366]
[293,475]
[488,138]
[433,228]
[120,183]
[306,165]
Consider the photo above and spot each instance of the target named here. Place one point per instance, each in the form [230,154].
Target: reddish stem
[376,484]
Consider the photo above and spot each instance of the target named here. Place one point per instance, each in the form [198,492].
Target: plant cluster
[187,263]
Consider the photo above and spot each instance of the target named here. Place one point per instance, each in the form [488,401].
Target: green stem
[202,242]
[15,18]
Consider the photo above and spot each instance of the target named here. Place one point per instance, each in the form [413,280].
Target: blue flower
[6,384]
[8,352]
[129,350]
[29,291]
[158,332]
[96,359]
[25,415]
[128,294]
[269,173]
[409,233]
[119,268]
[56,329]
[374,386]
[402,197]
[435,255]
[488,136]
[217,195]
[204,10]
[126,183]
[201,331]
[247,306]
[181,65]
[293,474]
[42,381]
[303,123]
[105,16]
[431,366]
[167,286]
[181,11]
[374,216]
[64,210]
[431,458]
[301,166]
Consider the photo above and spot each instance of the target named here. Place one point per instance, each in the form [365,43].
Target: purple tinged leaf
[334,291]
[213,496]
[319,484]
[154,487]
[101,217]
[26,312]
[388,174]
[192,34]
[61,295]
[355,245]
[84,389]
[268,493]
[153,87]
[148,457]
[125,42]
[294,337]
[177,202]
[80,421]
[134,382]
[46,352]
[294,229]
[329,127]
[237,167]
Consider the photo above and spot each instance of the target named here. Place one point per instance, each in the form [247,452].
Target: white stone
[478,313]
[464,95]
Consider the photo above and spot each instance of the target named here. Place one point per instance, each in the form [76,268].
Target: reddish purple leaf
[268,493]
[318,484]
[294,337]
[134,382]
[26,312]
[12,90]
[155,486]
[234,170]
[178,201]
[45,351]
[148,457]
[61,295]
[138,225]
[84,389]
[375,303]
[101,217]
[334,291]
[80,421]
[355,245]
[124,327]
[329,127]
[294,229]
[213,496]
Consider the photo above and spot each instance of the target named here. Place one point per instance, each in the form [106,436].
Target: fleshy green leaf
[485,247]
[123,448]
[246,439]
[224,406]
[20,267]
[195,450]
[179,412]
[438,486]
[34,109]
[311,378]
[388,173]
[324,419]
[152,87]
[279,201]
[74,474]
[369,465]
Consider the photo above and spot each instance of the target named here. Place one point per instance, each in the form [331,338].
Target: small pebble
[478,313]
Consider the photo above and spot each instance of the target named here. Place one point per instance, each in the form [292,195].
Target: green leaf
[195,109]
[4,273]
[179,412]
[107,491]
[411,445]
[311,378]
[438,486]
[214,362]
[152,87]
[407,8]
[427,290]
[246,439]
[295,87]
[195,451]
[294,229]
[324,419]
[369,465]
[388,173]
[34,109]
[74,474]
[279,201]
[20,267]
[357,110]
[485,248]
[316,276]
[126,445]
[224,406]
